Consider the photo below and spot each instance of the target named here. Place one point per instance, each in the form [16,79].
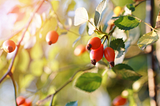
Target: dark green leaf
[126,22]
[118,45]
[74,103]
[126,72]
[131,7]
[147,39]
[89,81]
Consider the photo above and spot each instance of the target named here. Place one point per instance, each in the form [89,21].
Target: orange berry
[96,55]
[52,37]
[94,43]
[119,101]
[9,46]
[109,54]
[80,49]
[20,100]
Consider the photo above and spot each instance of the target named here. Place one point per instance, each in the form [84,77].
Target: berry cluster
[97,51]
[22,101]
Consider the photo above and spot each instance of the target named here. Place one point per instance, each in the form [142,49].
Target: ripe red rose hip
[119,101]
[94,43]
[9,46]
[20,100]
[96,55]
[52,37]
[109,54]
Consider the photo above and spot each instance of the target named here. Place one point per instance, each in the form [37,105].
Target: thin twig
[14,86]
[51,96]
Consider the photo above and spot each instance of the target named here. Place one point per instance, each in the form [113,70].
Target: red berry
[28,103]
[96,55]
[20,100]
[52,37]
[119,101]
[80,49]
[9,46]
[94,43]
[109,54]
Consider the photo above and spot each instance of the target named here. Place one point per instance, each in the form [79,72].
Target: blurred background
[39,69]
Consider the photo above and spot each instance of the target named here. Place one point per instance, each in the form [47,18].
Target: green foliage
[118,45]
[147,39]
[126,22]
[131,7]
[89,82]
[99,9]
[126,72]
[74,103]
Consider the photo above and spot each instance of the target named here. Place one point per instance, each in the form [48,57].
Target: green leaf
[96,18]
[126,72]
[131,7]
[81,16]
[118,45]
[89,82]
[126,22]
[99,9]
[147,39]
[71,6]
[74,103]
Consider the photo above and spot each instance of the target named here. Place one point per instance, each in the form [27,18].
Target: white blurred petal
[91,27]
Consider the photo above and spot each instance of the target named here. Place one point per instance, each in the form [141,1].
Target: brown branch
[51,96]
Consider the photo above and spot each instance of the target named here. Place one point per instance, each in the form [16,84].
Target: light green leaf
[147,39]
[100,8]
[81,16]
[71,6]
[126,22]
[126,72]
[89,81]
[74,103]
